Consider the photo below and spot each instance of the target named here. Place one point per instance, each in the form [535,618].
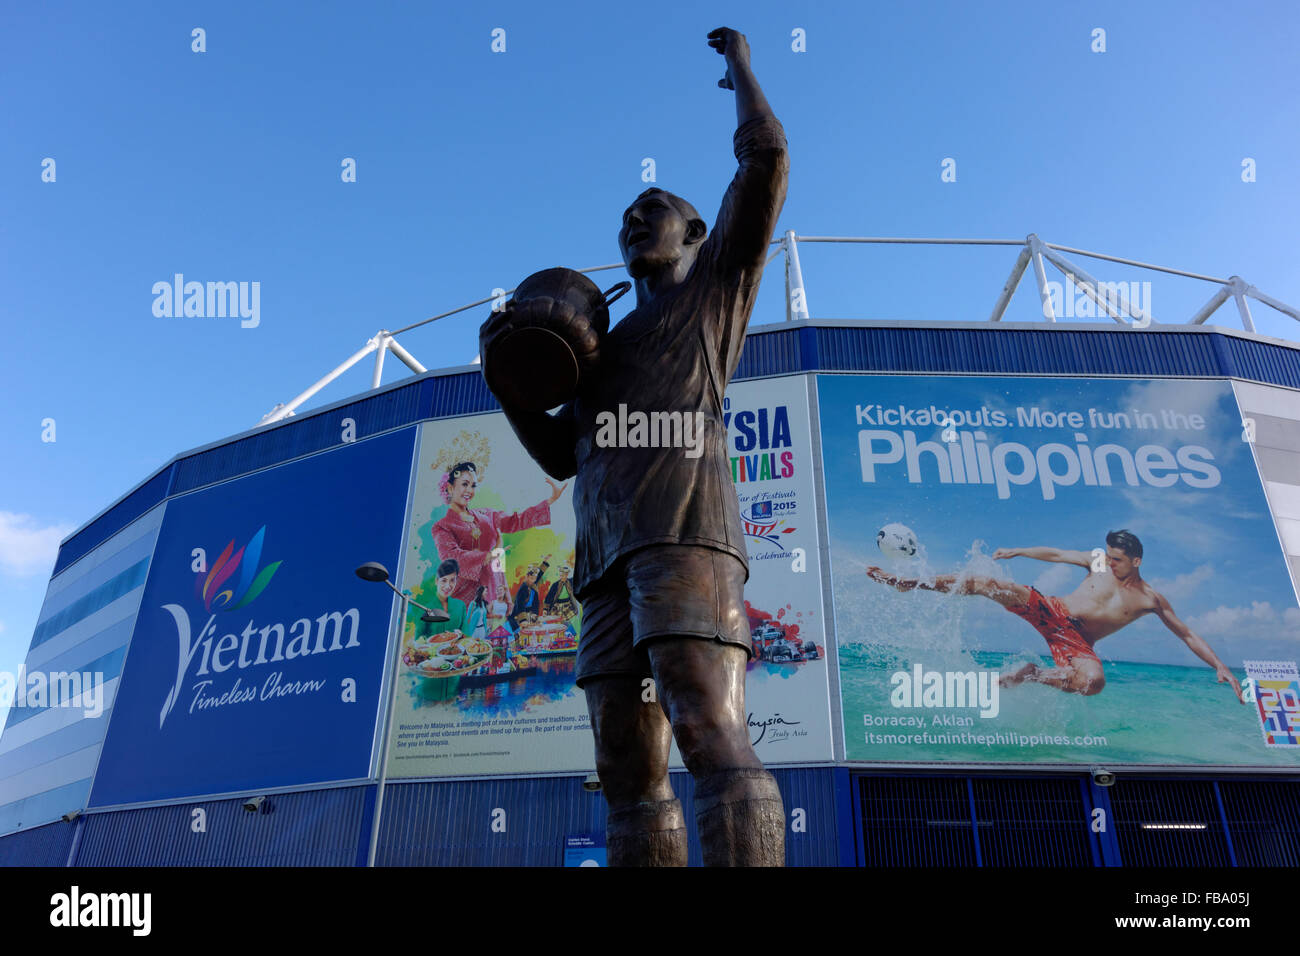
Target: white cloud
[1183,587]
[26,548]
[1260,620]
[1059,579]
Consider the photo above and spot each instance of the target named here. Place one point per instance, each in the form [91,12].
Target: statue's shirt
[676,355]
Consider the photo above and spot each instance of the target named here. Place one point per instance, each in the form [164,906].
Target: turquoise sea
[1146,714]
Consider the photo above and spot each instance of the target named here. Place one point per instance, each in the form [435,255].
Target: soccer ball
[896,541]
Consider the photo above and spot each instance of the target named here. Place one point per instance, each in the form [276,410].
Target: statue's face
[653,236]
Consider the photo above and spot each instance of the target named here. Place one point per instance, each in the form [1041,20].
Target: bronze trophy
[536,363]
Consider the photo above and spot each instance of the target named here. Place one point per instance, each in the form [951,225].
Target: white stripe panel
[1285,499]
[146,524]
[86,628]
[1268,400]
[92,578]
[56,718]
[1289,529]
[57,773]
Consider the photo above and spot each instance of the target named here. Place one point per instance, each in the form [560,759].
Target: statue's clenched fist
[732,45]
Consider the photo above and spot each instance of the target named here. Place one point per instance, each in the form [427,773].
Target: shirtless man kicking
[1101,605]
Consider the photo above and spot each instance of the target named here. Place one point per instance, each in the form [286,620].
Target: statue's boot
[740,819]
[646,834]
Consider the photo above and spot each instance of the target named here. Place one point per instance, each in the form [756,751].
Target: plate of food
[450,654]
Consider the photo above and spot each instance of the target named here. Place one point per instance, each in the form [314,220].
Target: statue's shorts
[1050,618]
[667,590]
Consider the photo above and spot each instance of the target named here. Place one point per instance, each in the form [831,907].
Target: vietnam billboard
[1051,570]
[499,696]
[258,654]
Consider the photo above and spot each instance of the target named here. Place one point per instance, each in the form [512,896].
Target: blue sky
[476,168]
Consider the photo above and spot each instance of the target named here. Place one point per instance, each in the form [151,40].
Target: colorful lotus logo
[215,588]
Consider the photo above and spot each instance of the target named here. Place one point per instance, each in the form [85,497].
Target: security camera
[1103,777]
[592,783]
[72,816]
[253,804]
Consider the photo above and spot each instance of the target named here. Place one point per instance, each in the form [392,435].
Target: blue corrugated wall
[450,823]
[39,846]
[890,820]
[312,828]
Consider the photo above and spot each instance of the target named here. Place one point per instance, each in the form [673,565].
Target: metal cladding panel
[1264,821]
[771,353]
[451,823]
[974,821]
[915,821]
[812,790]
[1190,803]
[462,393]
[41,846]
[113,520]
[1021,351]
[313,433]
[1262,361]
[1035,822]
[311,828]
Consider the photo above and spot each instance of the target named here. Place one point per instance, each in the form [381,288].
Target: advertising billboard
[498,696]
[787,686]
[258,654]
[1052,570]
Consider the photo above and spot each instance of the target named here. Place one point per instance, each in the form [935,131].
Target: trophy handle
[618,291]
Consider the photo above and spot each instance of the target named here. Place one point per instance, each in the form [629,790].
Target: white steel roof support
[1012,283]
[1040,275]
[1207,310]
[1239,293]
[796,295]
[284,411]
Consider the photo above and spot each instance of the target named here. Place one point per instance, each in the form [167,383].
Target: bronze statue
[661,560]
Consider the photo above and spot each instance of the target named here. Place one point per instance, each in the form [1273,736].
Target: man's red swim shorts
[1050,618]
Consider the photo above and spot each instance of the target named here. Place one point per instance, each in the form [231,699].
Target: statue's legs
[738,808]
[676,613]
[645,826]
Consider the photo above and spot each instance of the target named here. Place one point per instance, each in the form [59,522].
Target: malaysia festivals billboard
[492,689]
[258,654]
[1055,570]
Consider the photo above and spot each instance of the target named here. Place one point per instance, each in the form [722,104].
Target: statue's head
[659,230]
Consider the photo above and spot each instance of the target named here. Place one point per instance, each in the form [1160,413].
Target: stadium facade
[252,701]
